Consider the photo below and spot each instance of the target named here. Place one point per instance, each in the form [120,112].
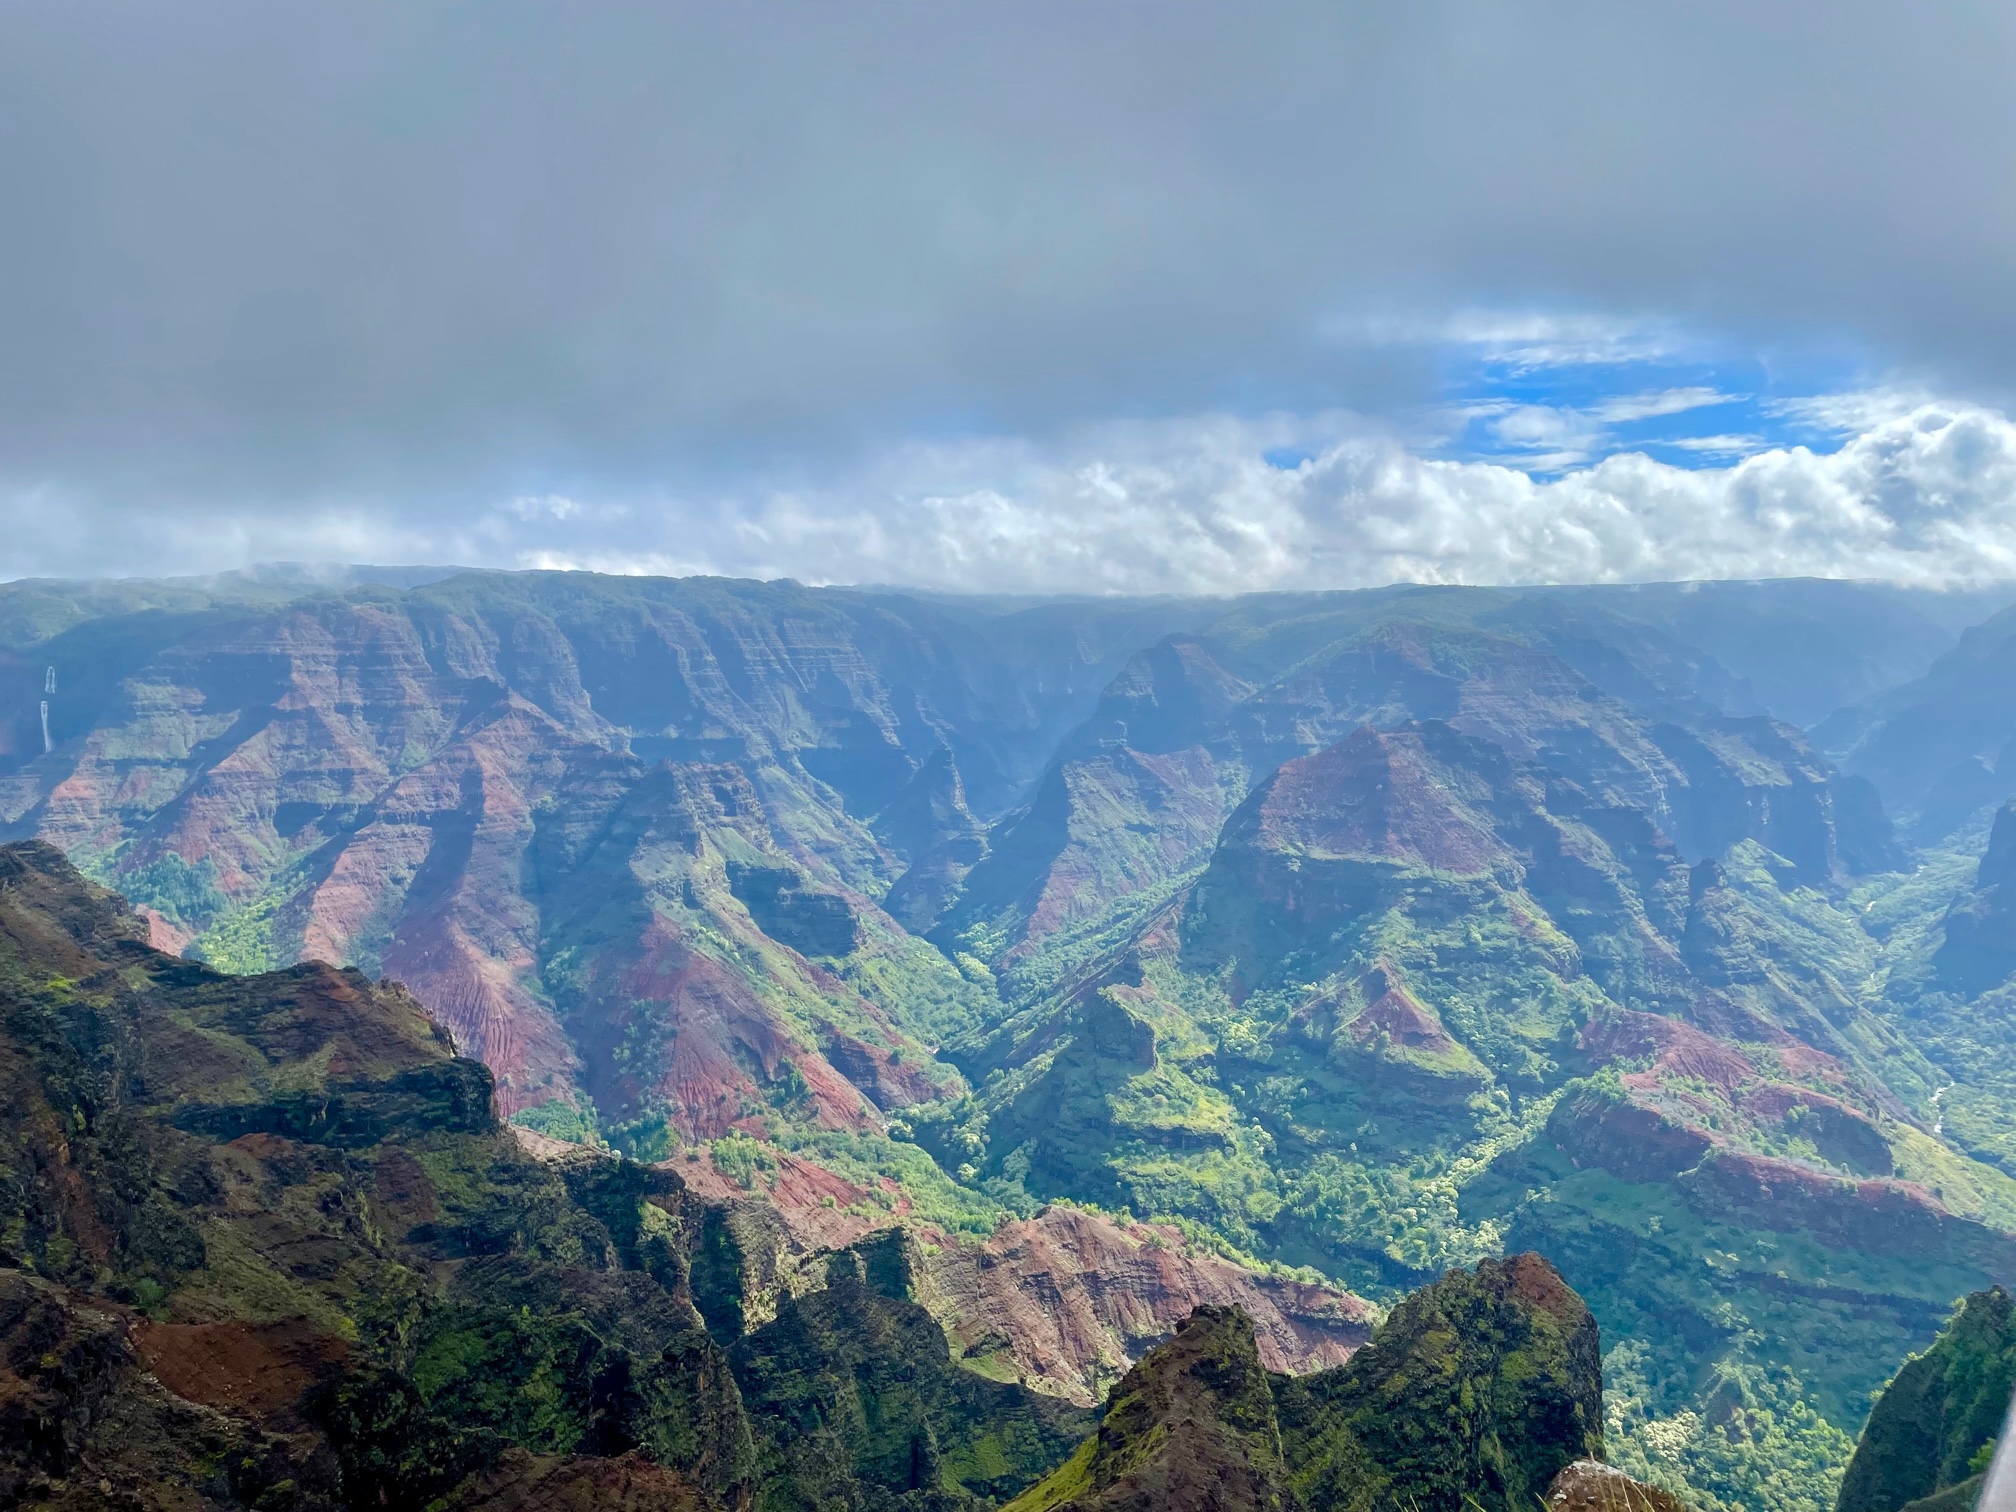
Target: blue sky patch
[1550,397]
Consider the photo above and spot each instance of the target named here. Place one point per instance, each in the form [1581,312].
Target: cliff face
[1367,933]
[1136,794]
[1402,938]
[1191,1426]
[411,783]
[1479,1391]
[265,1243]
[1935,1425]
[1063,1302]
[1072,1299]
[1978,951]
[1937,746]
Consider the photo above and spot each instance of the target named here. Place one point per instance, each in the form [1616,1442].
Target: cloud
[1546,437]
[1552,438]
[1526,340]
[270,265]
[1535,341]
[1716,446]
[1848,413]
[1625,408]
[542,507]
[1925,496]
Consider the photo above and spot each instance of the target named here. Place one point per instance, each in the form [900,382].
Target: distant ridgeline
[1280,953]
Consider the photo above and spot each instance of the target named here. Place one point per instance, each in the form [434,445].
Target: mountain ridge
[1340,936]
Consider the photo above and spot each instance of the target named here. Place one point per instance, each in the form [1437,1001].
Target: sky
[1042,297]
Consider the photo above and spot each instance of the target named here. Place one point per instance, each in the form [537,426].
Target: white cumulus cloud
[1924,493]
[1926,496]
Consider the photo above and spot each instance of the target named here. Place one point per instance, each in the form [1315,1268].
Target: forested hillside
[1281,952]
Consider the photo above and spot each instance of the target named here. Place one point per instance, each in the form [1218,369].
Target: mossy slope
[1478,1392]
[1930,1436]
[263,1242]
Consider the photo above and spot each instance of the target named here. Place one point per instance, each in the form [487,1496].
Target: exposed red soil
[716,1023]
[163,934]
[819,1208]
[1390,1008]
[1073,1299]
[260,1369]
[1377,794]
[1677,1047]
[1537,1282]
[1879,1215]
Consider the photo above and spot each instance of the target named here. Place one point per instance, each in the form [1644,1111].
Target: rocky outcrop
[1384,796]
[851,1386]
[696,964]
[1933,1428]
[1480,1391]
[1064,1302]
[661,856]
[1640,1129]
[1979,948]
[524,1482]
[1759,780]
[369,777]
[1134,797]
[1592,1486]
[1636,1143]
[1477,1390]
[88,1420]
[1190,1427]
[1068,1300]
[932,831]
[266,1243]
[1937,746]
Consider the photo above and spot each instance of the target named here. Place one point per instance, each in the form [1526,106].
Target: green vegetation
[1934,1427]
[561,1120]
[1506,1355]
[1475,1393]
[185,894]
[1752,1444]
[1359,936]
[439,1299]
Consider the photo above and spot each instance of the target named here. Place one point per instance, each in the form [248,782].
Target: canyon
[1112,959]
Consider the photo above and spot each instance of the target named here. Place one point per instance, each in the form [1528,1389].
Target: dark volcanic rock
[662,856]
[851,1390]
[811,923]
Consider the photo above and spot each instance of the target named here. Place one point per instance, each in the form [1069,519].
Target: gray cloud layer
[349,275]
